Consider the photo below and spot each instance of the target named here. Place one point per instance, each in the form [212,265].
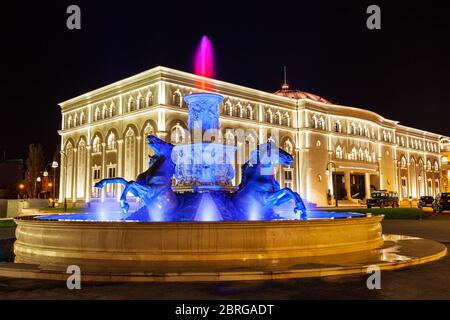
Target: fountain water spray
[204,62]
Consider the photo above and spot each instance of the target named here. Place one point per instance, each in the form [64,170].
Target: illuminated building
[103,135]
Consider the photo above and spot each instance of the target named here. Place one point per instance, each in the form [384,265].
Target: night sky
[401,71]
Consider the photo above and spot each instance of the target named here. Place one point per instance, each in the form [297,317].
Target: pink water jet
[204,63]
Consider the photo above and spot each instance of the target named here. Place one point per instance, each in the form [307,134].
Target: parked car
[383,199]
[442,202]
[425,201]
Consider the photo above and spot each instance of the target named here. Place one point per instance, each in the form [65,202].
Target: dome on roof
[297,94]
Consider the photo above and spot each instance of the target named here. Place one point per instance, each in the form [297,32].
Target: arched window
[322,123]
[97,114]
[444,160]
[75,120]
[130,146]
[269,116]
[240,110]
[360,155]
[366,132]
[288,147]
[403,163]
[229,138]
[111,144]
[96,145]
[353,128]
[249,111]
[360,132]
[130,106]
[428,165]
[69,169]
[390,137]
[339,153]
[436,166]
[314,122]
[287,119]
[384,136]
[354,154]
[251,144]
[228,108]
[140,102]
[337,126]
[403,142]
[81,169]
[104,111]
[149,99]
[366,155]
[112,109]
[148,130]
[177,134]
[82,118]
[69,122]
[177,99]
[277,118]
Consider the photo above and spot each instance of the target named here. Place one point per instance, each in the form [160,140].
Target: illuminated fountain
[205,228]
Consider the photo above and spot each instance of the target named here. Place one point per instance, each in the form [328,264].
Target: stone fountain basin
[126,246]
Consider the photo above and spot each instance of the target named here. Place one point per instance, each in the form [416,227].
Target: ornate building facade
[337,149]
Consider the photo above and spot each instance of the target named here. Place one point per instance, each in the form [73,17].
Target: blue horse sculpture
[153,187]
[259,192]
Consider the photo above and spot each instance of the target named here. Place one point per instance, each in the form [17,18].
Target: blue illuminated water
[118,216]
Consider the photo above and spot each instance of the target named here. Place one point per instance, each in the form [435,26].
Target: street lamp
[65,178]
[327,172]
[54,166]
[38,179]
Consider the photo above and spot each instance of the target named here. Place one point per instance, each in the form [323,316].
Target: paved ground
[429,281]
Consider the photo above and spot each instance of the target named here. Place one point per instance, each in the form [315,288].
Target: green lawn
[7,223]
[389,213]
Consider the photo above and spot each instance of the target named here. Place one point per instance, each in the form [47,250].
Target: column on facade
[425,176]
[240,154]
[139,151]
[88,187]
[74,175]
[347,184]
[103,170]
[367,184]
[297,171]
[409,186]
[62,175]
[120,167]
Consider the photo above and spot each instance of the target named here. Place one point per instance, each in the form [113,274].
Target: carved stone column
[88,187]
[120,167]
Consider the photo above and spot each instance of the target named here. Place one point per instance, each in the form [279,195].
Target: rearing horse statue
[153,187]
[259,192]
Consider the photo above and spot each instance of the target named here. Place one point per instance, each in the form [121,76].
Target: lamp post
[38,179]
[54,166]
[327,172]
[65,178]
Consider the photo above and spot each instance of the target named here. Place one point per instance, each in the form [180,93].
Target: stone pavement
[428,281]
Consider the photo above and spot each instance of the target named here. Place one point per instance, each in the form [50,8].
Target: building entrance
[339,184]
[357,186]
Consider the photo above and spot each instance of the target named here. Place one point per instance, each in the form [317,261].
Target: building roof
[297,94]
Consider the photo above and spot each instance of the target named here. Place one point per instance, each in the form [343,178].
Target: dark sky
[401,71]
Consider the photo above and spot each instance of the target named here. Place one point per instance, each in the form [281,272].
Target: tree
[35,165]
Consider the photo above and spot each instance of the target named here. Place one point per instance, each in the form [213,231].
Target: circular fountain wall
[123,246]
